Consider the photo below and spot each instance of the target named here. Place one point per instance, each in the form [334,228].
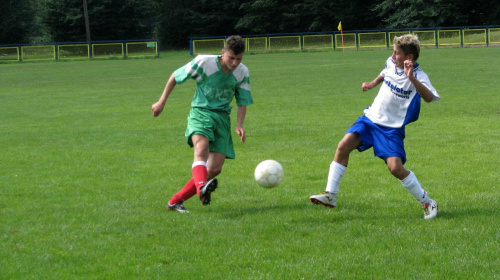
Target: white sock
[413,186]
[335,174]
[196,163]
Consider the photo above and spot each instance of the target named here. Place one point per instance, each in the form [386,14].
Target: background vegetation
[175,21]
[86,171]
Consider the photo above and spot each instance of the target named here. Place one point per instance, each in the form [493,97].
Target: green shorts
[216,126]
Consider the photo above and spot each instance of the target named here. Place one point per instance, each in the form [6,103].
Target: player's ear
[411,56]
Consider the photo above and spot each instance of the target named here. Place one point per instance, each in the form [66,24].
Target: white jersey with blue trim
[398,102]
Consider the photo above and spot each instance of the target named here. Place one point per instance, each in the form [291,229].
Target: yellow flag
[340,26]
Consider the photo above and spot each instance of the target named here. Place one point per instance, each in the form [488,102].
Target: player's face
[231,60]
[399,57]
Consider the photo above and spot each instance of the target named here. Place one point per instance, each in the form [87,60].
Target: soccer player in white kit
[383,124]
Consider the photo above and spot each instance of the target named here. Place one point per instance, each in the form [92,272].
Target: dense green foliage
[108,19]
[86,172]
[175,21]
[418,13]
[16,21]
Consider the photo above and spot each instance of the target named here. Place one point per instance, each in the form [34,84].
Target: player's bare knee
[213,172]
[397,171]
[344,148]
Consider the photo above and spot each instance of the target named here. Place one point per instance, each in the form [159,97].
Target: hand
[366,86]
[241,132]
[408,68]
[157,108]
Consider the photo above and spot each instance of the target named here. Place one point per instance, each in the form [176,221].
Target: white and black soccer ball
[269,173]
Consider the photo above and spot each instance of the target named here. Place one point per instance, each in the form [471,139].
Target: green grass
[86,172]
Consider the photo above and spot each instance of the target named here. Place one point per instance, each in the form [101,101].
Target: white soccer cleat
[325,198]
[430,209]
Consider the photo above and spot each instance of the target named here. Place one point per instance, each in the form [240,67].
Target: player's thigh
[200,122]
[201,147]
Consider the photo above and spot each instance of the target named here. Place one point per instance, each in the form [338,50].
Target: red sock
[185,193]
[200,174]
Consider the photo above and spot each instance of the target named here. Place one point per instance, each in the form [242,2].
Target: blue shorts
[386,141]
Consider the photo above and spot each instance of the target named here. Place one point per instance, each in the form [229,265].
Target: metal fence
[80,50]
[356,40]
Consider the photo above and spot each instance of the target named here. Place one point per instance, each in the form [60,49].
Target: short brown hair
[235,43]
[409,43]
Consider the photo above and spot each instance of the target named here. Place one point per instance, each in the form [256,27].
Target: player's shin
[200,173]
[184,194]
[335,175]
[413,186]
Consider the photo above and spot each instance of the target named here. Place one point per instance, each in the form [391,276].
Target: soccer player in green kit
[219,79]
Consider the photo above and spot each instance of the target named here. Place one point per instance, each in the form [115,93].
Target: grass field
[86,171]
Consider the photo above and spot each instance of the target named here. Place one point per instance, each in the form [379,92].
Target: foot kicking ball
[269,173]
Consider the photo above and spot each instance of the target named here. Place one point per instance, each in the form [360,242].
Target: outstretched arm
[157,107]
[369,85]
[242,111]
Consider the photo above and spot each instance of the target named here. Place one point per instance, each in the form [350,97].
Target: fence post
[436,34]
[461,37]
[387,38]
[124,50]
[356,39]
[487,36]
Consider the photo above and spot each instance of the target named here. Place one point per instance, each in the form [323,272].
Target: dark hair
[236,44]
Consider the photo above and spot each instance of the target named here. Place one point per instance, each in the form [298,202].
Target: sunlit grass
[86,172]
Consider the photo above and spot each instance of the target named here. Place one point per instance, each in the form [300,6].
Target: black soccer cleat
[206,190]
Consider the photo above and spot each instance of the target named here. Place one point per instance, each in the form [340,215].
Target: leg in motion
[337,169]
[411,183]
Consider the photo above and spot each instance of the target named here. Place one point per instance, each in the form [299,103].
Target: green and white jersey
[215,89]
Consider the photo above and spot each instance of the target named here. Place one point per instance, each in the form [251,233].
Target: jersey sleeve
[424,79]
[243,93]
[192,70]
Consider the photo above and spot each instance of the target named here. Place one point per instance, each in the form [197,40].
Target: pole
[341,33]
[87,28]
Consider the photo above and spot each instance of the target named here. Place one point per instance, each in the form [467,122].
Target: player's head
[233,51]
[409,44]
[236,44]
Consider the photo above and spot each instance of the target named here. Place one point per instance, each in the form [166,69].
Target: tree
[176,21]
[182,20]
[108,19]
[120,20]
[437,13]
[65,20]
[283,16]
[17,19]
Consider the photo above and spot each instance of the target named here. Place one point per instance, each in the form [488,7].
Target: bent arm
[369,85]
[424,92]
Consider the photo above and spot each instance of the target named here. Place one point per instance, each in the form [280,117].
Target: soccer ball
[269,173]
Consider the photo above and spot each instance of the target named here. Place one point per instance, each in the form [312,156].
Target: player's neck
[223,65]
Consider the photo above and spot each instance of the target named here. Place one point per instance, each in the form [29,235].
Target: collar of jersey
[415,68]
[220,66]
